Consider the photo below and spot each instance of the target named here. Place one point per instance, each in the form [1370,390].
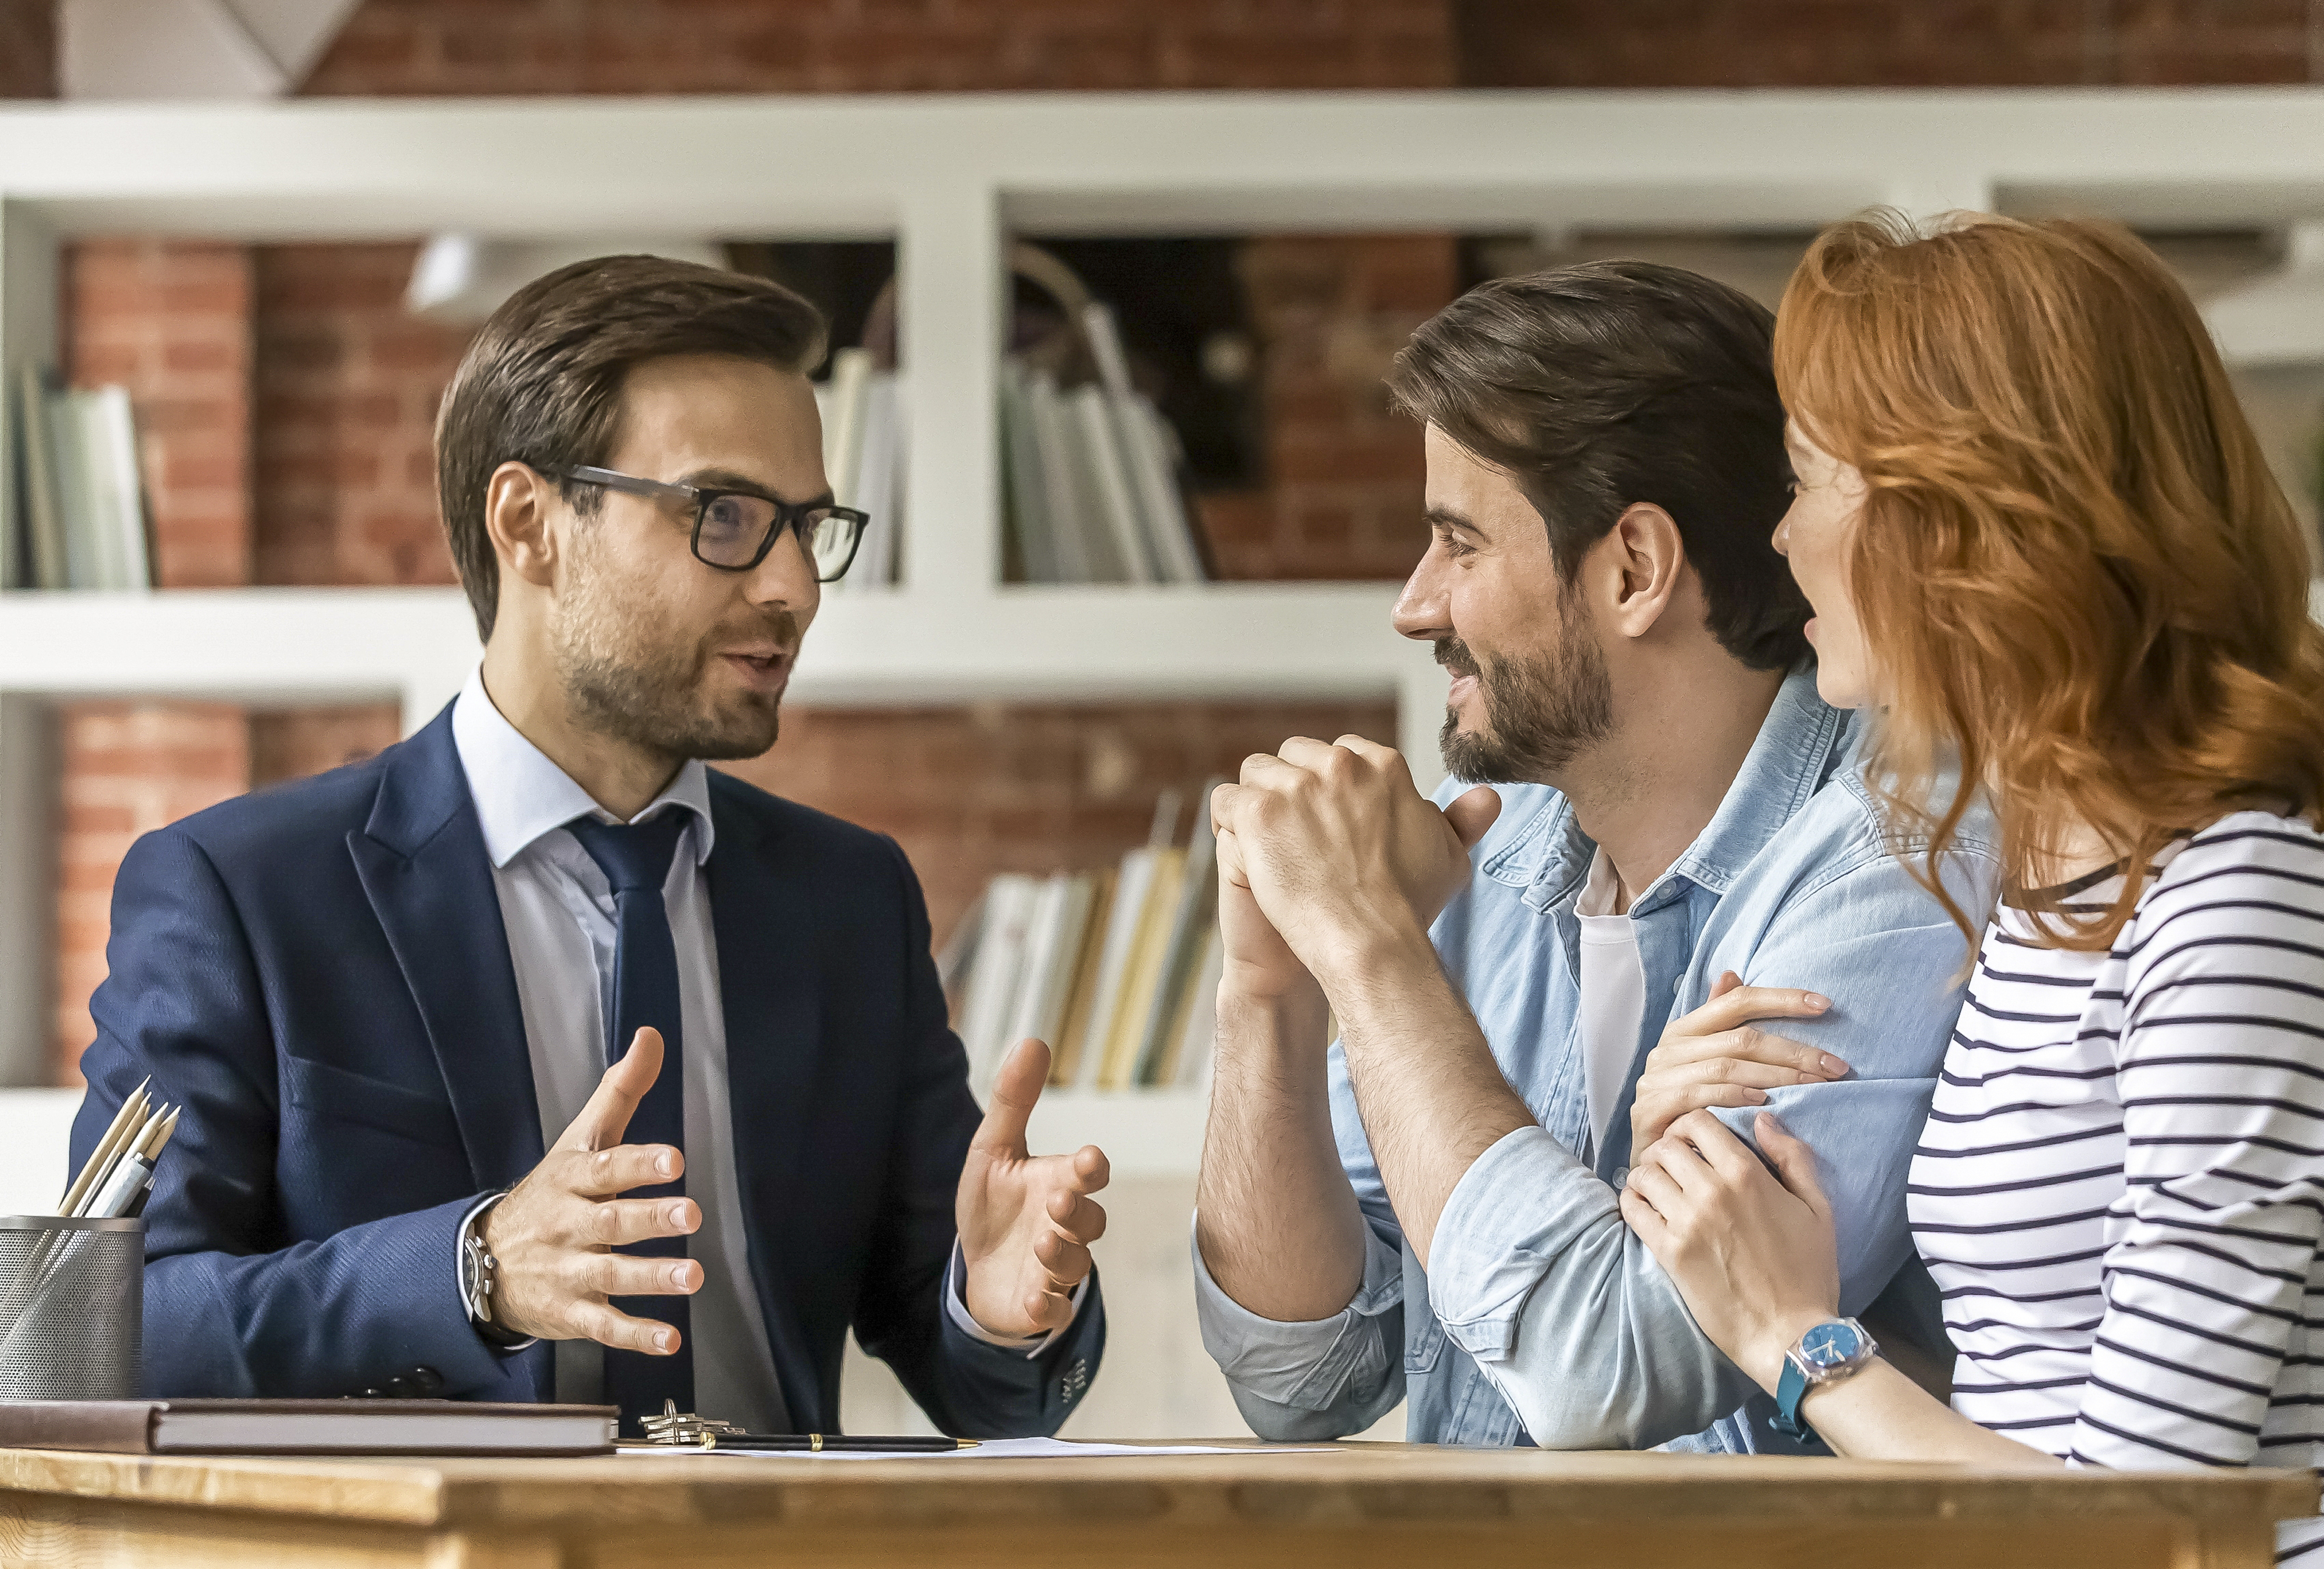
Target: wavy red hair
[2073,570]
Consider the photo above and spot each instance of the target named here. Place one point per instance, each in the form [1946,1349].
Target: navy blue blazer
[319,973]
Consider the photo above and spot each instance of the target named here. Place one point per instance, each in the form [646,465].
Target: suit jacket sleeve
[968,1388]
[233,1307]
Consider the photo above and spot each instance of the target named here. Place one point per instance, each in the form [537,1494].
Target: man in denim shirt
[1427,1209]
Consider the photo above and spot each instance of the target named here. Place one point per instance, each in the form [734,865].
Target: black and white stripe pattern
[2120,1190]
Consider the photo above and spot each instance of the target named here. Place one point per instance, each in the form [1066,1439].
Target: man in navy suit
[531,1059]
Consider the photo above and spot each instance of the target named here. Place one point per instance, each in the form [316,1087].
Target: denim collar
[1798,745]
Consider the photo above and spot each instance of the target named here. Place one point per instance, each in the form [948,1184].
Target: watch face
[1832,1344]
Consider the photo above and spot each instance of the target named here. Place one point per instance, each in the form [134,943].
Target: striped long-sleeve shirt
[2120,1190]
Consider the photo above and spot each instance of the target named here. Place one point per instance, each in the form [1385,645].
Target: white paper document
[989,1449]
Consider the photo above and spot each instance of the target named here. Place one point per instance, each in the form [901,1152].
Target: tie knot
[632,855]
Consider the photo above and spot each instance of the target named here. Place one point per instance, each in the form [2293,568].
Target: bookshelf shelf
[950,178]
[899,649]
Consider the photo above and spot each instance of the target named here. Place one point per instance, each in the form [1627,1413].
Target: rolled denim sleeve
[1332,1376]
[1322,1379]
[1532,1272]
[1534,1276]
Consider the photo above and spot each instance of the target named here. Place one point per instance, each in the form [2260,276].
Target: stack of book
[863,413]
[1090,476]
[1116,968]
[83,505]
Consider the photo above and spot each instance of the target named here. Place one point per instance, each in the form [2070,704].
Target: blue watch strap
[1791,1389]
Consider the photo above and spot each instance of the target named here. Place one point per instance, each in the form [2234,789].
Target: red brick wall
[288,743]
[348,389]
[1345,476]
[830,46]
[1886,43]
[170,321]
[129,767]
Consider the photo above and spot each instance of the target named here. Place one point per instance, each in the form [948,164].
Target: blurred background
[219,417]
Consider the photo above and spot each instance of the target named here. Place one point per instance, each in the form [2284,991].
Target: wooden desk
[1364,1504]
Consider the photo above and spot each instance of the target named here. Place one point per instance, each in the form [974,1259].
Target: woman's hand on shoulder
[1751,1251]
[1715,1056]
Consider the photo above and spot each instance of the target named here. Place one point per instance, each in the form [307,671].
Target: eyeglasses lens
[830,540]
[731,529]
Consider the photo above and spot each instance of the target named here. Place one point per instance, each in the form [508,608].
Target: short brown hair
[541,384]
[1599,386]
[2076,576]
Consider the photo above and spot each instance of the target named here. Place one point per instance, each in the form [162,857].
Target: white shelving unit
[949,178]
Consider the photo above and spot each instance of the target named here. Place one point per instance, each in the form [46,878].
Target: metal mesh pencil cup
[72,1307]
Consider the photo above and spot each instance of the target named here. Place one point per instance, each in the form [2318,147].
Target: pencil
[161,1140]
[152,1122]
[132,1113]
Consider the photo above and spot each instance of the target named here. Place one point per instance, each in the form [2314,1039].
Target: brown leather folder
[306,1428]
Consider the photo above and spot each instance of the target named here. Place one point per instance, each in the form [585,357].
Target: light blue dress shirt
[1544,1319]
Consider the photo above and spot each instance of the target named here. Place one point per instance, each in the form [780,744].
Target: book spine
[1130,889]
[1082,996]
[1142,976]
[43,546]
[1085,547]
[1024,515]
[125,490]
[1108,484]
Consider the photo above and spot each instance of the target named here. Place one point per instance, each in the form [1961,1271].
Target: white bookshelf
[949,178]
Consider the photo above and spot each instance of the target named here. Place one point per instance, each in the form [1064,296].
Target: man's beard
[1540,714]
[623,683]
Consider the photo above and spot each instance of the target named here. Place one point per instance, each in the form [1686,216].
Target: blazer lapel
[772,1007]
[421,858]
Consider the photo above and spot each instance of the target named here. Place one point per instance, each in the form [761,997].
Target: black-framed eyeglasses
[734,529]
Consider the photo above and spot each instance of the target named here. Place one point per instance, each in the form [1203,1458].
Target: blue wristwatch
[1828,1352]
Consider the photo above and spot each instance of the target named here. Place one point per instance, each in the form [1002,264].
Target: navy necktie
[635,859]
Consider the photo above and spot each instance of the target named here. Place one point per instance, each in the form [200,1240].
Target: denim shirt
[1545,1320]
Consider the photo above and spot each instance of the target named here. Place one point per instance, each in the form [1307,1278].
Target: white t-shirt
[1613,986]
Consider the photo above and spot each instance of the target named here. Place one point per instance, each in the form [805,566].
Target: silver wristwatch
[479,1274]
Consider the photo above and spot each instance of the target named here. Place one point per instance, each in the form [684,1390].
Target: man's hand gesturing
[1026,1220]
[554,1233]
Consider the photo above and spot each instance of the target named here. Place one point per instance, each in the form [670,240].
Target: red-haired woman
[2039,535]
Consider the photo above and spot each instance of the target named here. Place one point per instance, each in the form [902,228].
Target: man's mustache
[781,627]
[1454,656]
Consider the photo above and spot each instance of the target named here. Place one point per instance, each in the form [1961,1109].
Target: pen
[808,1444]
[121,1189]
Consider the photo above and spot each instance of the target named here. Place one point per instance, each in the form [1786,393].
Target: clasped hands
[1025,1221]
[1329,858]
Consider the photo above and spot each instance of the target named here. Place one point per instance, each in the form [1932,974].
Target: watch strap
[476,1266]
[1792,1387]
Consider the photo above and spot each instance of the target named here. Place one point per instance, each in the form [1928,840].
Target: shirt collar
[521,795]
[1799,743]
